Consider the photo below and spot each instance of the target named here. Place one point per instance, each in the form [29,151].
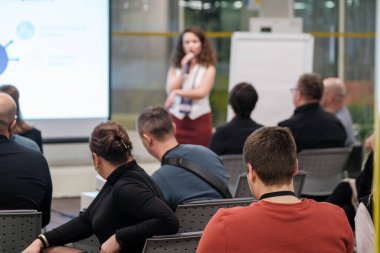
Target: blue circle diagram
[25,30]
[3,59]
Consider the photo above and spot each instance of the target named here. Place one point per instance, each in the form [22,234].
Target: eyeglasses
[292,90]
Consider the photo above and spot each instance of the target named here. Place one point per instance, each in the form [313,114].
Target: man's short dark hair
[310,85]
[271,151]
[243,98]
[156,121]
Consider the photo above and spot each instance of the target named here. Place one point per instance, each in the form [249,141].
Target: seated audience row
[320,119]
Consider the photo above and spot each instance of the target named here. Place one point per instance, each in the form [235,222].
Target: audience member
[334,93]
[25,181]
[278,221]
[22,128]
[230,138]
[350,192]
[127,210]
[311,126]
[157,132]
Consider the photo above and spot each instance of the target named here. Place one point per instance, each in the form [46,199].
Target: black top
[25,181]
[129,204]
[312,128]
[35,135]
[230,138]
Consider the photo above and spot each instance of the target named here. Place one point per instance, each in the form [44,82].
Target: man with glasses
[312,127]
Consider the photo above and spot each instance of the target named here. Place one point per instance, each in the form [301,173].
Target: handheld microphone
[187,67]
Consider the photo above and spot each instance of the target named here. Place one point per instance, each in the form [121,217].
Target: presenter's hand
[34,247]
[186,59]
[110,246]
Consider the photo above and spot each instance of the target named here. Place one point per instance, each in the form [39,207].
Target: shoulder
[328,210]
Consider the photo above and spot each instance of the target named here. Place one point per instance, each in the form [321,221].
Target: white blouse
[199,107]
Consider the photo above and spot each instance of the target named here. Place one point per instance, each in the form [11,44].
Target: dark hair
[207,55]
[21,126]
[156,121]
[310,85]
[110,141]
[271,151]
[243,98]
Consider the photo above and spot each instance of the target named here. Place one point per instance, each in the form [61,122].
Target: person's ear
[147,139]
[174,128]
[11,126]
[251,173]
[295,168]
[96,160]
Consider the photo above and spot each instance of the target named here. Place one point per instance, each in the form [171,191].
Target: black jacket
[312,128]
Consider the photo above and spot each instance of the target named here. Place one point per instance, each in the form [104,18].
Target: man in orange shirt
[278,221]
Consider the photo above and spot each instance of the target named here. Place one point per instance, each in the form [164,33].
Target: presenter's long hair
[207,55]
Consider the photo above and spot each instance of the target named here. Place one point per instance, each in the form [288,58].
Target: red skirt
[197,131]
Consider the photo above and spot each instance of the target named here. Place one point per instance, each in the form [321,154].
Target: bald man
[334,94]
[25,181]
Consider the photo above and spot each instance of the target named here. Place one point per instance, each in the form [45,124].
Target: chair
[298,182]
[324,168]
[354,163]
[194,216]
[242,189]
[90,244]
[182,242]
[234,166]
[18,229]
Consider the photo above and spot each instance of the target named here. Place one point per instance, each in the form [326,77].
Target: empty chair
[234,166]
[194,216]
[242,189]
[182,242]
[18,228]
[324,168]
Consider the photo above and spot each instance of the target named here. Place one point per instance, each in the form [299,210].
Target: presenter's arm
[203,90]
[174,81]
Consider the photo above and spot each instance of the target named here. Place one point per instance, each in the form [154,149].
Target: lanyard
[277,194]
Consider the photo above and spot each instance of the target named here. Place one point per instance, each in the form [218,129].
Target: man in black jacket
[311,126]
[25,181]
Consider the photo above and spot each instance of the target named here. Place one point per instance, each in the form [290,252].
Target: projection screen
[57,53]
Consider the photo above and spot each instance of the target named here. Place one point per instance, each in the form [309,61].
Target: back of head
[336,86]
[271,151]
[8,111]
[310,86]
[110,141]
[21,125]
[156,121]
[243,98]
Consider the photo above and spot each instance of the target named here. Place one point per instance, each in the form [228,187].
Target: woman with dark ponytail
[128,209]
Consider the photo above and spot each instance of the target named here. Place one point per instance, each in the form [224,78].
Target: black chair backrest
[242,189]
[194,216]
[234,166]
[18,229]
[182,242]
